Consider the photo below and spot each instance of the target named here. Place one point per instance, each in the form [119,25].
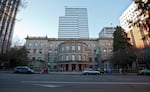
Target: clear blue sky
[40,17]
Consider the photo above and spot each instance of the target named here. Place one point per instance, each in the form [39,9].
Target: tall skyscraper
[74,24]
[8,11]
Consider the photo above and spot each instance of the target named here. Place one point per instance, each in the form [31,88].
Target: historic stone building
[68,54]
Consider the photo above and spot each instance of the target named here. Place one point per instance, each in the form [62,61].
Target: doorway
[73,67]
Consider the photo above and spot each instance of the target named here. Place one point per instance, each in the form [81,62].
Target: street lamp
[98,54]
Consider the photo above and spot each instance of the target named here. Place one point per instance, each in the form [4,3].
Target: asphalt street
[10,82]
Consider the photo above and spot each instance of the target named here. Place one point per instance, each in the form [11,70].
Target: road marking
[60,82]
[50,86]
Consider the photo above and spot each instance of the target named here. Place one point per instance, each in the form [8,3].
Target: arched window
[62,49]
[67,48]
[67,58]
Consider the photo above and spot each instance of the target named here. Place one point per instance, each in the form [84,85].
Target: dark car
[23,69]
[144,72]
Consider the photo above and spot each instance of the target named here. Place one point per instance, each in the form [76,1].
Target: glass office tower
[74,24]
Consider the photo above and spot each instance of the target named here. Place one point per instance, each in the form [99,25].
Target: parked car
[144,72]
[88,71]
[23,69]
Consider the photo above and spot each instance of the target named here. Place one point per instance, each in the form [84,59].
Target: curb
[65,73]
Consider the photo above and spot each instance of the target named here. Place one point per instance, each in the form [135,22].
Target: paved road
[10,82]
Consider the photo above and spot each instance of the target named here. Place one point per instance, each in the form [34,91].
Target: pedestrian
[120,70]
[44,70]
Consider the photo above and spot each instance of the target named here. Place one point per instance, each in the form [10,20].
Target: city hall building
[66,54]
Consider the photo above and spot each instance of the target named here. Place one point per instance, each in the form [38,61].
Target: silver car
[88,71]
[23,69]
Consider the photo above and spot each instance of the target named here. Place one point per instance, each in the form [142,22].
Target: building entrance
[73,67]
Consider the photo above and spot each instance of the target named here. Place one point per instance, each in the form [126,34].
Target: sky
[41,17]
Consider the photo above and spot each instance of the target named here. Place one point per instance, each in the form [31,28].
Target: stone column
[70,67]
[77,67]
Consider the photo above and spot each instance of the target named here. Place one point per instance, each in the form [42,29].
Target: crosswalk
[54,84]
[48,85]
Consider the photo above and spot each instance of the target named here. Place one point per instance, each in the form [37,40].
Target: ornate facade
[68,54]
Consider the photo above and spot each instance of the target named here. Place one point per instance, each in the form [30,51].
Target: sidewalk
[80,73]
[4,71]
[73,73]
[124,74]
[65,73]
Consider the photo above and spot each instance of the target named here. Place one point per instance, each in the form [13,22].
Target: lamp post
[47,64]
[137,64]
[98,55]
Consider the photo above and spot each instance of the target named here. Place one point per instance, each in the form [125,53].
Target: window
[89,45]
[79,48]
[79,57]
[50,45]
[33,58]
[39,58]
[73,48]
[50,51]
[94,45]
[104,44]
[62,58]
[30,44]
[104,50]
[56,51]
[35,44]
[84,58]
[67,48]
[41,44]
[73,57]
[50,59]
[56,45]
[109,43]
[34,51]
[67,58]
[110,49]
[62,49]
[40,51]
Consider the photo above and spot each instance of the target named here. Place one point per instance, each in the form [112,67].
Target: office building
[128,16]
[8,11]
[107,32]
[137,34]
[74,24]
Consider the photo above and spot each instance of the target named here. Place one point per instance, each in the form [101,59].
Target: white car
[88,71]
